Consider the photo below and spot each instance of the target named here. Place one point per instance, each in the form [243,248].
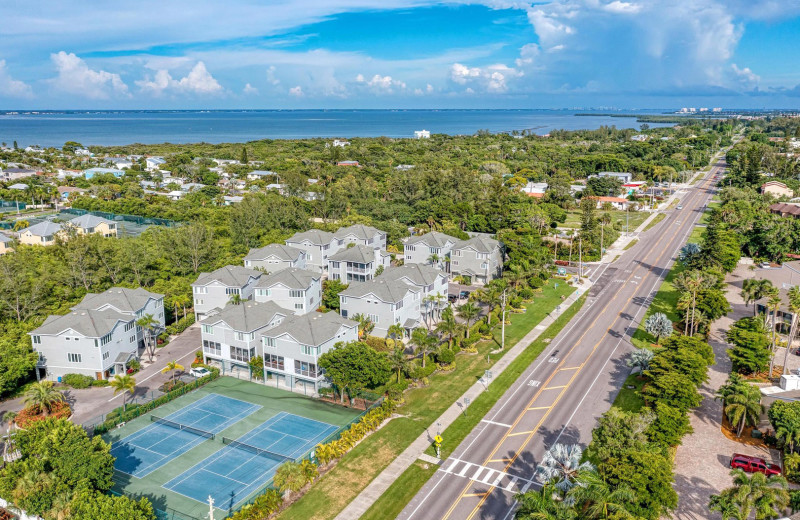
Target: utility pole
[580,258]
[627,231]
[503,326]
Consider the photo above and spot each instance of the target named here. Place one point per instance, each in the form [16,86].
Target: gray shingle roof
[480,244]
[358,253]
[247,316]
[390,291]
[4,238]
[230,276]
[43,229]
[89,221]
[432,239]
[120,298]
[90,323]
[419,274]
[360,231]
[315,236]
[311,329]
[280,251]
[292,278]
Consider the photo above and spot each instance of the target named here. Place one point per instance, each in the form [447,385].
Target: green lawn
[696,235]
[658,218]
[704,218]
[392,502]
[666,301]
[634,218]
[630,399]
[331,493]
[631,244]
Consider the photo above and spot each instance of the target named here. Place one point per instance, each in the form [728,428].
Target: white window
[435,250]
[73,358]
[454,262]
[298,306]
[373,318]
[129,326]
[342,299]
[408,257]
[105,339]
[484,265]
[309,257]
[232,290]
[37,340]
[201,290]
[457,253]
[481,256]
[264,292]
[335,265]
[244,336]
[208,329]
[399,305]
[106,355]
[410,248]
[294,293]
[132,339]
[308,350]
[198,301]
[269,342]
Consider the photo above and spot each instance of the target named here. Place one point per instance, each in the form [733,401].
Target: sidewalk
[416,450]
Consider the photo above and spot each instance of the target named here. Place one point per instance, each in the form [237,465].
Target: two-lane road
[561,396]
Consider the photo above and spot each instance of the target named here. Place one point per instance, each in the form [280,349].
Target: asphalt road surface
[569,386]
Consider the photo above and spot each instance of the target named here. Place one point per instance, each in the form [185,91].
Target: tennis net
[179,426]
[253,449]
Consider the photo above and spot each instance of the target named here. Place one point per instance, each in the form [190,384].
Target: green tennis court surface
[225,440]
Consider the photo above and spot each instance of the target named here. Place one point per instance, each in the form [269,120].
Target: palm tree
[596,499]
[748,292]
[743,407]
[561,466]
[448,325]
[123,383]
[794,307]
[490,295]
[43,396]
[468,312]
[396,332]
[545,504]
[148,325]
[173,367]
[773,305]
[692,282]
[235,299]
[289,477]
[398,361]
[658,325]
[433,259]
[428,302]
[768,496]
[425,342]
[641,358]
[365,325]
[761,288]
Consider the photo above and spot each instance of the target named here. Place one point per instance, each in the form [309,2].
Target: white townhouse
[318,246]
[297,290]
[232,335]
[479,258]
[361,234]
[431,248]
[292,348]
[216,289]
[89,342]
[275,257]
[385,302]
[134,302]
[431,283]
[154,163]
[357,263]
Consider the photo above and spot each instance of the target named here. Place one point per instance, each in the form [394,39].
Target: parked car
[464,295]
[199,372]
[754,464]
[680,206]
[452,298]
[764,265]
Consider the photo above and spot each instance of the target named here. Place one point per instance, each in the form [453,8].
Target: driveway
[91,404]
[701,462]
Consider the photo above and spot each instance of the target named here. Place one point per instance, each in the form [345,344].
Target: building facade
[358,263]
[479,258]
[216,289]
[275,257]
[385,302]
[431,248]
[297,290]
[317,245]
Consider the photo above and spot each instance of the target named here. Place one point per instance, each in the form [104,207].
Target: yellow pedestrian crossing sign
[438,439]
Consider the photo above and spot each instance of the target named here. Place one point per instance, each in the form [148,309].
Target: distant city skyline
[400,54]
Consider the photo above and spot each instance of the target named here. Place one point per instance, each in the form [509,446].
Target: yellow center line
[467,495]
[594,348]
[555,387]
[571,368]
[539,408]
[518,433]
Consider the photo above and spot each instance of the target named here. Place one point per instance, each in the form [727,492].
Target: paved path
[416,450]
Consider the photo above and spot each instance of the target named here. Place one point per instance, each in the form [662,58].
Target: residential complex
[358,263]
[385,302]
[297,290]
[317,245]
[431,248]
[216,289]
[275,257]
[480,259]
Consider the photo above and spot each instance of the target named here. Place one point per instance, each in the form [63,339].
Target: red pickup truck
[753,464]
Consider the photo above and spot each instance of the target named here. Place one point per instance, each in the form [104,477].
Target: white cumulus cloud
[75,77]
[744,76]
[249,89]
[11,87]
[493,78]
[296,91]
[198,81]
[384,84]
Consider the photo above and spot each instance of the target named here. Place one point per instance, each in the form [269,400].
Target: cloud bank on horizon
[399,53]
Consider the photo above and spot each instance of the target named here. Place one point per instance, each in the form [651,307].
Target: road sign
[437,439]
[466,400]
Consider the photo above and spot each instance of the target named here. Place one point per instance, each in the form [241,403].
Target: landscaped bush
[181,325]
[418,372]
[77,380]
[526,293]
[135,411]
[376,342]
[31,414]
[445,356]
[395,390]
[263,506]
[169,386]
[348,438]
[99,382]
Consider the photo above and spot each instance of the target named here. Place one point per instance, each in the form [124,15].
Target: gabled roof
[360,231]
[432,239]
[389,291]
[315,236]
[89,323]
[292,278]
[311,329]
[480,244]
[247,316]
[122,299]
[4,238]
[358,253]
[43,229]
[18,186]
[261,173]
[417,274]
[279,251]
[230,276]
[88,221]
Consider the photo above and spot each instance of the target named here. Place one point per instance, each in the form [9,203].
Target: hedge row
[129,415]
[181,325]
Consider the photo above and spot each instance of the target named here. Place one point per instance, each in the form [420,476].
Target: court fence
[118,217]
[168,514]
[105,423]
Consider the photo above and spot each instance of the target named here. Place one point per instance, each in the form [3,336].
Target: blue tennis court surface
[233,473]
[153,446]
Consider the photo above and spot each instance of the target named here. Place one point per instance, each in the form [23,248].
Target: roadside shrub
[32,414]
[77,380]
[526,293]
[262,507]
[395,390]
[418,372]
[180,325]
[99,382]
[169,386]
[445,357]
[535,282]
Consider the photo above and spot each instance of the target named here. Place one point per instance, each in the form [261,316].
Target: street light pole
[503,326]
[580,257]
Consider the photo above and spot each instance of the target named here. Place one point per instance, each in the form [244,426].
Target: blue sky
[59,54]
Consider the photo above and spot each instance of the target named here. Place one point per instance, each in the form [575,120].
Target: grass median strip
[658,218]
[392,502]
[328,496]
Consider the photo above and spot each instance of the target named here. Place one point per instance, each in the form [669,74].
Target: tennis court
[246,464]
[148,449]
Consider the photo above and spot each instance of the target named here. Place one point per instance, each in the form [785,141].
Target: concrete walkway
[416,450]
